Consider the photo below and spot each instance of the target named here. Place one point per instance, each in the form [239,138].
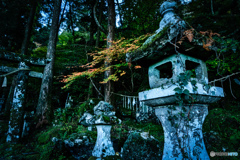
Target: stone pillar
[17,108]
[183,138]
[103,146]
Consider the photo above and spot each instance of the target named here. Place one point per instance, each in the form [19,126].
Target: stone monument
[103,118]
[179,92]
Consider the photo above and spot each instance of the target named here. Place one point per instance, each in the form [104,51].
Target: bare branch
[96,20]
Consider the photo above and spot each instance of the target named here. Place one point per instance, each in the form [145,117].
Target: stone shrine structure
[180,98]
[103,118]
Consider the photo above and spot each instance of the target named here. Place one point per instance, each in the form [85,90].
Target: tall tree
[44,108]
[100,20]
[28,29]
[108,88]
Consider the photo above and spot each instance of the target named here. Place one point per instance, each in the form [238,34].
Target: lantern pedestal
[103,146]
[183,138]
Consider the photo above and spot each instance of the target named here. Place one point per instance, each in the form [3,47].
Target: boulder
[210,139]
[80,147]
[141,146]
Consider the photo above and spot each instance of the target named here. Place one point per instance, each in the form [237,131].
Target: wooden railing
[132,103]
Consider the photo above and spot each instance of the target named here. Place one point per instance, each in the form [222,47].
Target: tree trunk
[90,90]
[44,109]
[111,26]
[111,22]
[92,26]
[28,28]
[100,20]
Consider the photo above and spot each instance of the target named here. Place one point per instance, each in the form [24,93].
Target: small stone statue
[103,118]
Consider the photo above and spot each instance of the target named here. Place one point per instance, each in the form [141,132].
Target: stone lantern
[182,124]
[180,99]
[103,118]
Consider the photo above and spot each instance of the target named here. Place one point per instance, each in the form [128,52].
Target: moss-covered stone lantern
[179,92]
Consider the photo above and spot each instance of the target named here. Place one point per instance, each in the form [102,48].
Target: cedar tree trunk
[44,109]
[111,26]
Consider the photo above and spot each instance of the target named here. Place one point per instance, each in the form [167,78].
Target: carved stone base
[183,138]
[104,145]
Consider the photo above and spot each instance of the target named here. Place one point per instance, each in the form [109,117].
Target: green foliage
[88,106]
[140,17]
[225,123]
[40,52]
[227,60]
[115,55]
[153,129]
[65,38]
[46,136]
[72,114]
[182,94]
[65,115]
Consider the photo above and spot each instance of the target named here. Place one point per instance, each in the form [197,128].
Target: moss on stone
[138,148]
[92,158]
[155,42]
[46,136]
[106,119]
[155,37]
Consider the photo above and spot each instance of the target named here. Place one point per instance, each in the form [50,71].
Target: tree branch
[61,17]
[96,20]
[96,87]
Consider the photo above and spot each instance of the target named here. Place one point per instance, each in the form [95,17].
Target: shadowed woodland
[59,58]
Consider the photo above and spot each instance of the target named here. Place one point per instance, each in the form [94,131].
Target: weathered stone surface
[104,145]
[69,102]
[11,69]
[87,119]
[103,114]
[146,117]
[27,122]
[183,136]
[80,148]
[17,110]
[170,19]
[35,74]
[103,118]
[103,108]
[175,65]
[141,146]
[160,96]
